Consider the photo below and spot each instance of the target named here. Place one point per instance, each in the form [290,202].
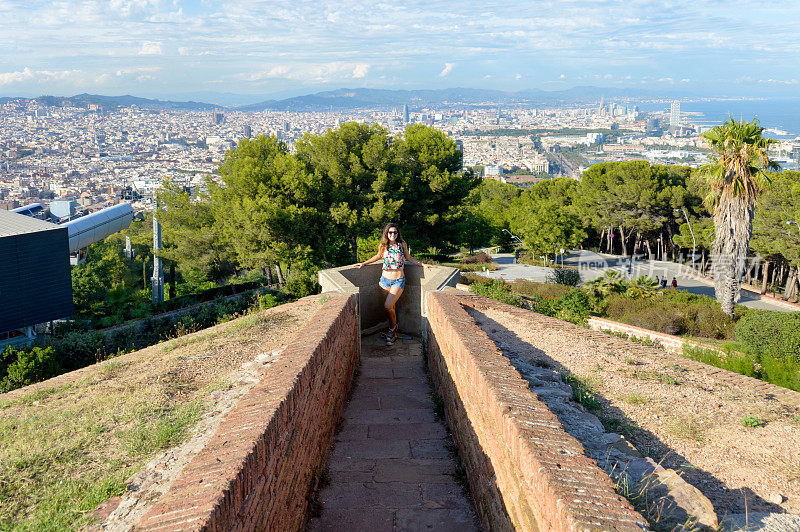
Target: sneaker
[388,333]
[390,340]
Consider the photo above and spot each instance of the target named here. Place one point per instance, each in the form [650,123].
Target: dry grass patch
[688,428]
[66,448]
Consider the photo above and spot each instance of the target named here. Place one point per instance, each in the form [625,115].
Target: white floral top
[393,257]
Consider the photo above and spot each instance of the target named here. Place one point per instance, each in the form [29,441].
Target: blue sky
[156,48]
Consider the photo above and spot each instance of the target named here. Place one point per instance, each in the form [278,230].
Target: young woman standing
[394,251]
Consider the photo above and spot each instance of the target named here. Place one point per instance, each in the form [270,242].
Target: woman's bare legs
[392,296]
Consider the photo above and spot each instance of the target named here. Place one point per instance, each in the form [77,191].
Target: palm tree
[735,178]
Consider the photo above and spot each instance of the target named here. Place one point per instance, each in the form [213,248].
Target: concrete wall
[525,471]
[257,471]
[364,281]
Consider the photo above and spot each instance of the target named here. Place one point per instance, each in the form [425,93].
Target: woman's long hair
[385,236]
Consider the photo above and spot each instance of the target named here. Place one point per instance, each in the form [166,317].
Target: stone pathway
[391,467]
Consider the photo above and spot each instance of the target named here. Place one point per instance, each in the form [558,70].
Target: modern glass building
[35,281]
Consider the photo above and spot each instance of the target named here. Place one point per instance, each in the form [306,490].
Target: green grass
[64,450]
[162,429]
[751,421]
[584,390]
[781,372]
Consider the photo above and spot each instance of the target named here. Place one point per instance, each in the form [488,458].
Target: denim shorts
[389,283]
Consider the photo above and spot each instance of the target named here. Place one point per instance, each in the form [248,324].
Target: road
[593,265]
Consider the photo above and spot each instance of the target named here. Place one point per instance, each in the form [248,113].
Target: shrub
[480,258]
[32,364]
[302,287]
[565,276]
[691,317]
[574,306]
[496,289]
[532,288]
[470,278]
[769,333]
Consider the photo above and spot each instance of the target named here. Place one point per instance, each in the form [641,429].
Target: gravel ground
[690,421]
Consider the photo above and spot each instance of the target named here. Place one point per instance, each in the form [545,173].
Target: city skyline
[175,49]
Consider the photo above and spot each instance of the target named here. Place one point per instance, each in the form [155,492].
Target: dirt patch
[689,420]
[127,426]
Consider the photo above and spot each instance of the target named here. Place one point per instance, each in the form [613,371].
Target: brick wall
[673,344]
[257,471]
[525,471]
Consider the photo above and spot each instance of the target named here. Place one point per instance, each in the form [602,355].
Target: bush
[532,288]
[496,289]
[574,306]
[565,276]
[664,315]
[470,278]
[770,333]
[479,258]
[28,365]
[302,287]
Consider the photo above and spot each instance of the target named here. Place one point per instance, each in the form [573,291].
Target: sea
[780,116]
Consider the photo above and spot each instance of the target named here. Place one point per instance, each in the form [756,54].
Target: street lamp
[694,242]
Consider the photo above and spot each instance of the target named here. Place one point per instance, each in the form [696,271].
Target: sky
[277,48]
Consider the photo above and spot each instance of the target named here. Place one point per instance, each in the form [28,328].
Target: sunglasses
[391,232]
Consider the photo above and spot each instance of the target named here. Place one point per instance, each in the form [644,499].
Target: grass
[781,372]
[635,399]
[688,428]
[655,376]
[64,450]
[751,421]
[584,390]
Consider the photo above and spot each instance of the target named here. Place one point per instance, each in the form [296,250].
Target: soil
[689,420]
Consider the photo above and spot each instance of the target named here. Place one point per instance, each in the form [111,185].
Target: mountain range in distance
[354,99]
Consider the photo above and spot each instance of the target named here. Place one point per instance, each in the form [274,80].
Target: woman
[394,251]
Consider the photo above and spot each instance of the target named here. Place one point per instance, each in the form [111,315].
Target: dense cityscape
[99,156]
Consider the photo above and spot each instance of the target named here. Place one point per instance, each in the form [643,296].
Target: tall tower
[675,114]
[405,113]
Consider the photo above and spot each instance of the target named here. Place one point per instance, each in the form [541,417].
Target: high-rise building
[675,114]
[248,132]
[405,113]
[219,118]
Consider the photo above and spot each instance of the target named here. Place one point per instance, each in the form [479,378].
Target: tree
[191,236]
[544,217]
[736,176]
[266,207]
[352,169]
[432,186]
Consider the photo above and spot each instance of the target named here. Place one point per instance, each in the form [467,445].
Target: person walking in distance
[674,282]
[394,251]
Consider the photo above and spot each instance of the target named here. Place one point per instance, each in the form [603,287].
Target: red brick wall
[257,471]
[673,344]
[525,471]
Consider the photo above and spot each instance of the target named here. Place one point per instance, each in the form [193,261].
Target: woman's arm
[411,259]
[372,259]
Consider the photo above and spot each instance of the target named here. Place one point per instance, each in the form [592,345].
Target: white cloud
[137,70]
[562,76]
[183,50]
[38,76]
[448,67]
[518,76]
[150,48]
[686,80]
[312,72]
[16,77]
